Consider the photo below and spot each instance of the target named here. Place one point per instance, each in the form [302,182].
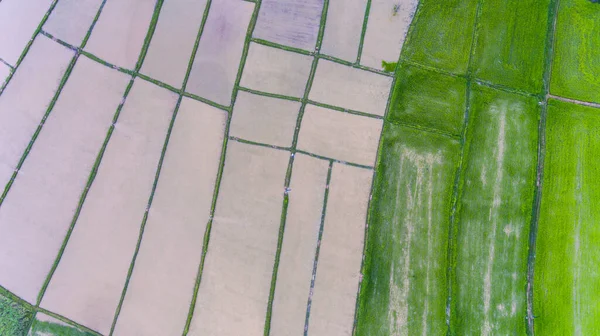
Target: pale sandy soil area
[191,166]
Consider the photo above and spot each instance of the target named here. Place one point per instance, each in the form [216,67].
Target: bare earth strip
[303,220]
[89,280]
[386,30]
[338,269]
[234,291]
[119,34]
[494,214]
[215,67]
[344,27]
[38,79]
[173,40]
[567,280]
[33,220]
[71,19]
[18,21]
[405,286]
[159,292]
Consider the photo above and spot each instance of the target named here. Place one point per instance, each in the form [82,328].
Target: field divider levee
[102,150]
[458,179]
[288,175]
[27,46]
[552,16]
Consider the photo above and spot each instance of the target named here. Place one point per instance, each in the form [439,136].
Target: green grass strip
[318,250]
[288,175]
[533,230]
[363,32]
[67,321]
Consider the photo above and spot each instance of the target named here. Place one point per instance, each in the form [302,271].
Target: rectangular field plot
[308,184]
[62,158]
[173,40]
[220,50]
[350,88]
[386,30]
[38,79]
[71,19]
[276,71]
[338,268]
[338,135]
[264,119]
[293,23]
[236,280]
[345,19]
[161,285]
[567,280]
[119,34]
[511,43]
[442,34]
[18,21]
[429,99]
[405,287]
[576,64]
[89,279]
[494,214]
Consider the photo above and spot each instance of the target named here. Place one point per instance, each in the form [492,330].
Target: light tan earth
[120,31]
[18,21]
[168,259]
[61,160]
[71,19]
[276,71]
[88,282]
[342,34]
[167,59]
[216,64]
[350,88]
[342,136]
[270,145]
[264,119]
[303,222]
[235,283]
[37,79]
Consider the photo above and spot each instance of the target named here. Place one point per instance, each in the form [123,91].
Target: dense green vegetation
[429,99]
[567,276]
[405,284]
[15,318]
[494,213]
[511,43]
[442,34]
[576,65]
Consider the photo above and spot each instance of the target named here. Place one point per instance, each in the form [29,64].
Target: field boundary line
[574,101]
[318,249]
[533,228]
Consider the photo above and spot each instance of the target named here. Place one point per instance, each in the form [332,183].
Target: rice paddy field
[299,167]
